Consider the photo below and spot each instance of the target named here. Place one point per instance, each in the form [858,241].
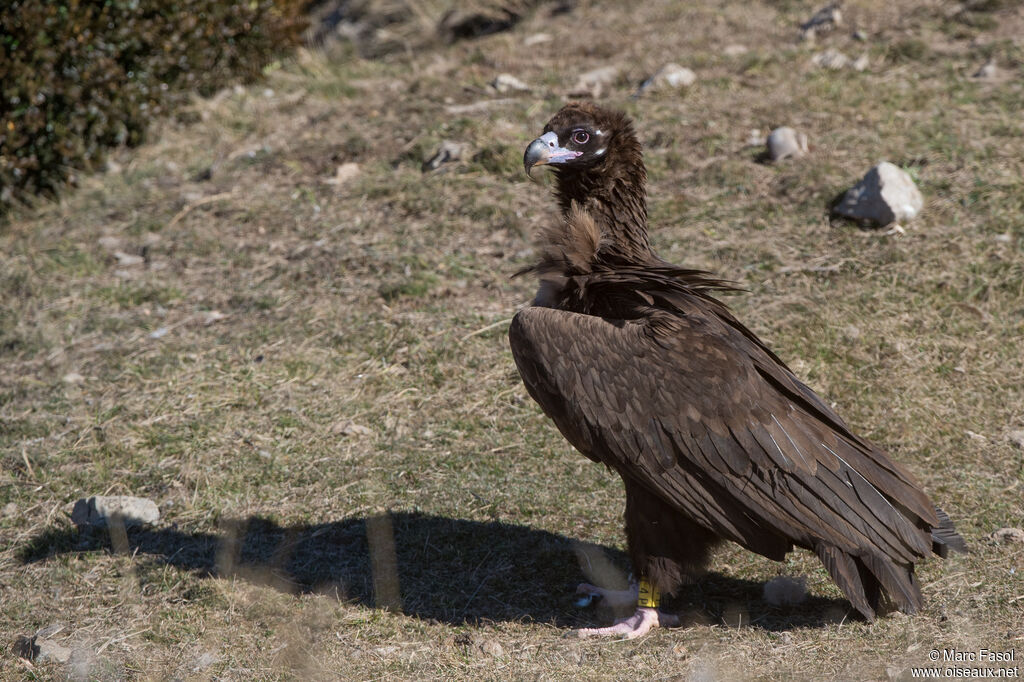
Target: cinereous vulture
[642,369]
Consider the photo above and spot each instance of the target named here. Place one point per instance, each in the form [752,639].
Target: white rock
[345,172]
[785,142]
[10,509]
[594,82]
[1017,438]
[97,511]
[669,77]
[861,63]
[831,59]
[506,82]
[734,50]
[784,590]
[537,39]
[885,195]
[128,259]
[1007,535]
[73,378]
[756,139]
[988,72]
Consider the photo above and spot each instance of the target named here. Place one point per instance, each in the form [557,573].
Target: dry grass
[296,358]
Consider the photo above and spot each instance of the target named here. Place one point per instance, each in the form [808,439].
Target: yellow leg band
[648,595]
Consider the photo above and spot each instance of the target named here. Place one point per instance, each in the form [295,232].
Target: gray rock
[784,143]
[448,152]
[885,195]
[595,82]
[1008,536]
[97,511]
[988,72]
[50,651]
[1016,437]
[506,82]
[669,77]
[40,650]
[10,509]
[826,19]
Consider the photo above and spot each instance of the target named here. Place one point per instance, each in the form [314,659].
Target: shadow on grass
[435,568]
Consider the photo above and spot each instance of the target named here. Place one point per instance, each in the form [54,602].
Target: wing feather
[754,460]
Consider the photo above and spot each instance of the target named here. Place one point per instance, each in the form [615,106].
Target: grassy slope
[298,311]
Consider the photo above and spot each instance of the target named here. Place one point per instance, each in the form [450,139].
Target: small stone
[785,591]
[212,316]
[860,36]
[831,59]
[345,172]
[785,142]
[1017,438]
[734,50]
[756,138]
[506,82]
[40,650]
[669,77]
[594,82]
[448,152]
[988,72]
[492,648]
[852,332]
[885,195]
[97,511]
[159,333]
[73,378]
[826,19]
[537,39]
[128,259]
[1007,536]
[10,509]
[861,63]
[51,652]
[351,429]
[109,243]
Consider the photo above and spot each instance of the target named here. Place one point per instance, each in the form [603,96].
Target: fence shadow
[435,568]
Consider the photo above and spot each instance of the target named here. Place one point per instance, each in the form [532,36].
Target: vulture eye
[580,137]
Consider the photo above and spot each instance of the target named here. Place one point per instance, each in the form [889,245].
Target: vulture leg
[667,549]
[664,545]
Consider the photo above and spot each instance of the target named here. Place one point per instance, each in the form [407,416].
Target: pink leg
[637,625]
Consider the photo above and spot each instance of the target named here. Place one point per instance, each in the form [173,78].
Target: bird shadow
[435,568]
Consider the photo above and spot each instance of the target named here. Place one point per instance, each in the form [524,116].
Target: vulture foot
[637,625]
[587,595]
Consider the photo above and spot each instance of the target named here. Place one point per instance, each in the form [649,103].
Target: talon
[637,625]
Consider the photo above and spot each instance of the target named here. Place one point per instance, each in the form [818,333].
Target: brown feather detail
[843,571]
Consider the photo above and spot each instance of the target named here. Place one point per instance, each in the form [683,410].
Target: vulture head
[584,137]
[599,169]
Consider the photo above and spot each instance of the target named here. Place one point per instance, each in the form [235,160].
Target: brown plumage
[642,369]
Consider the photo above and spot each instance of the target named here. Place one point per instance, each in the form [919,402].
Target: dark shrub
[79,76]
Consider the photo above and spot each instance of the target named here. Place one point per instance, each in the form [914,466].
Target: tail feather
[896,581]
[945,537]
[871,581]
[846,574]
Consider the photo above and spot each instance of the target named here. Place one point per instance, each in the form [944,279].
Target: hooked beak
[545,150]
